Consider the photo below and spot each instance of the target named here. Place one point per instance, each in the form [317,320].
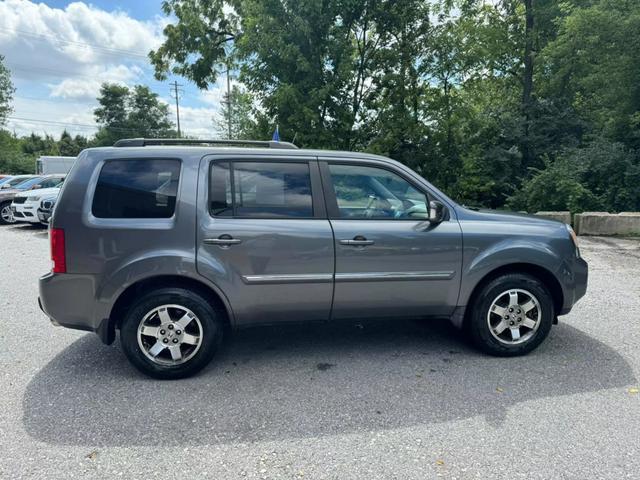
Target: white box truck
[46,165]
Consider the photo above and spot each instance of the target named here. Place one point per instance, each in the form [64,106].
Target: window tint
[258,189]
[376,193]
[144,188]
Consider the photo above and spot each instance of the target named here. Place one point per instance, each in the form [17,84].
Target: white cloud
[88,87]
[195,121]
[74,37]
[68,53]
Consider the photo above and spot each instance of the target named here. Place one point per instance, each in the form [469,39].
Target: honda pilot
[170,242]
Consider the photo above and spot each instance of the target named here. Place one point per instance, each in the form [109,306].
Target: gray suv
[172,241]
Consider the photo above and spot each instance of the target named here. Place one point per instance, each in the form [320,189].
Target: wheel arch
[541,273]
[139,288]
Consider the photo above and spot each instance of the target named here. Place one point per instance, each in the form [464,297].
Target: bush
[602,175]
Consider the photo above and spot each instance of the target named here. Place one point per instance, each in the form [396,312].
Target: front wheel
[171,333]
[511,315]
[6,214]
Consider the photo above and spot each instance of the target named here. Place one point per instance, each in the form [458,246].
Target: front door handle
[223,240]
[358,240]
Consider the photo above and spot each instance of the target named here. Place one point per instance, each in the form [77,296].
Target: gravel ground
[394,400]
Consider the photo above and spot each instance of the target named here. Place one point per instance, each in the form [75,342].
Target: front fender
[477,265]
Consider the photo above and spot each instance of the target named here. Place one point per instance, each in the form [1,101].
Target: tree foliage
[235,119]
[126,113]
[515,102]
[19,154]
[6,92]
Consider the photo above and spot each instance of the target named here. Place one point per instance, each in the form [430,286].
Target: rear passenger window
[261,190]
[142,188]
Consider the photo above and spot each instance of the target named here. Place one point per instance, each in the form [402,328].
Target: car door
[390,261]
[264,238]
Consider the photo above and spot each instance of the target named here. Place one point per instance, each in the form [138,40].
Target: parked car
[14,180]
[170,243]
[25,205]
[45,210]
[32,183]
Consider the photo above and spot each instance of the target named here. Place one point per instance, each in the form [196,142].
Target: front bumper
[25,212]
[44,215]
[576,282]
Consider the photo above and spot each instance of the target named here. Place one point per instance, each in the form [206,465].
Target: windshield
[26,184]
[13,181]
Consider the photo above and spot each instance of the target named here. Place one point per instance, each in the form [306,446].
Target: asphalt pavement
[364,400]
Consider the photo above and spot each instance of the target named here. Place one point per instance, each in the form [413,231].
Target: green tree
[34,145]
[130,113]
[235,119]
[6,92]
[71,146]
[492,101]
[602,175]
[12,159]
[594,63]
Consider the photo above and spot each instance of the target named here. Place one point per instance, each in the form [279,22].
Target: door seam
[333,243]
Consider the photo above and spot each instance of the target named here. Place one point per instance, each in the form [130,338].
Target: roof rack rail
[143,142]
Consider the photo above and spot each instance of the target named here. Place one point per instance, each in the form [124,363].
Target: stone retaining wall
[603,223]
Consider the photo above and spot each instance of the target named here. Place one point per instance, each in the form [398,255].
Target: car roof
[201,150]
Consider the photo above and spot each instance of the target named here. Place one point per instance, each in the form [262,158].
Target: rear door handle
[358,240]
[223,240]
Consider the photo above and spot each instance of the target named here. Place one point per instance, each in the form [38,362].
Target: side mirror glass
[436,211]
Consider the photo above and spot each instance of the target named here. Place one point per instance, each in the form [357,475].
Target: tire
[513,327]
[171,315]
[4,214]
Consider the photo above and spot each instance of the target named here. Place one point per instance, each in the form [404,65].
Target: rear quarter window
[141,188]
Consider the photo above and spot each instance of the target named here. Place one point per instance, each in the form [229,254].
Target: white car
[25,205]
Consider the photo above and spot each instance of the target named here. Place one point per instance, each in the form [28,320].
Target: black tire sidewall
[210,320]
[479,329]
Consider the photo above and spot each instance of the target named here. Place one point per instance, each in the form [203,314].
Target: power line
[68,74]
[52,100]
[113,51]
[71,124]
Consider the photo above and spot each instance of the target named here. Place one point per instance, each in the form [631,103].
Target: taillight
[56,237]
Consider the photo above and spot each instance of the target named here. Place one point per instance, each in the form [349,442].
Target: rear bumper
[69,301]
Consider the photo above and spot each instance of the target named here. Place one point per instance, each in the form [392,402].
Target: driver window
[376,193]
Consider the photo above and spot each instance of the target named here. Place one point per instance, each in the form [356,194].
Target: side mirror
[436,211]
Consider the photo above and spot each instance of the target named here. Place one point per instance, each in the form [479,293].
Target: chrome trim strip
[287,278]
[392,276]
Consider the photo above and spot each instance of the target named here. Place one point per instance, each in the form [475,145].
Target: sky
[60,52]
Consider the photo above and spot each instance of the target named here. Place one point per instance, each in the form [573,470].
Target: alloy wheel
[7,214]
[514,316]
[170,335]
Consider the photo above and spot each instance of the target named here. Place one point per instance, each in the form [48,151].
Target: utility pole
[176,94]
[228,101]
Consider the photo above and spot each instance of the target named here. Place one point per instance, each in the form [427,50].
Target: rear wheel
[171,333]
[511,315]
[6,215]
